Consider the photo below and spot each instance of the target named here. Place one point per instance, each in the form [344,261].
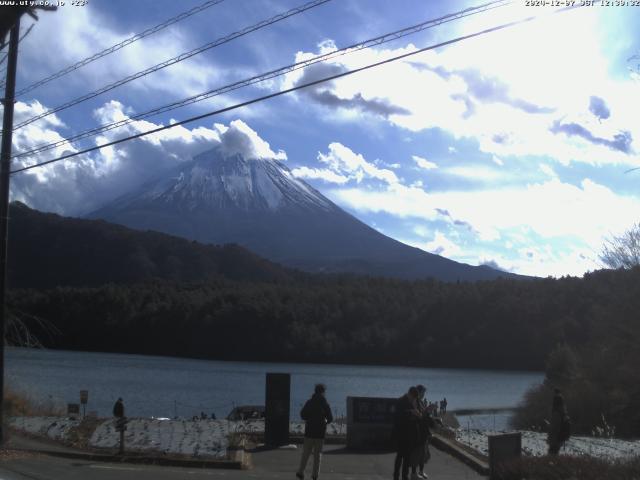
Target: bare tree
[622,251]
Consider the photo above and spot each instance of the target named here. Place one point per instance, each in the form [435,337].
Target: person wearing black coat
[118,409]
[406,430]
[317,414]
[559,430]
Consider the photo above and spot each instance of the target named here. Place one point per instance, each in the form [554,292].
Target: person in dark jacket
[558,430]
[317,414]
[421,454]
[118,408]
[406,432]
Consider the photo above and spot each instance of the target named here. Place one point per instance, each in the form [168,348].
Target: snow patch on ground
[55,428]
[535,444]
[196,438]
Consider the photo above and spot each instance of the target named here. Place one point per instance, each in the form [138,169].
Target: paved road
[270,464]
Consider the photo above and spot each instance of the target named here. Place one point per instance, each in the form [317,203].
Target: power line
[179,58]
[120,45]
[292,89]
[2,84]
[272,74]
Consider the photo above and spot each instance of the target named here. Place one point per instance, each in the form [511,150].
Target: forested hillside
[47,250]
[499,324]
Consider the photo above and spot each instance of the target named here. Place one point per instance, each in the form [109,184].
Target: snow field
[535,444]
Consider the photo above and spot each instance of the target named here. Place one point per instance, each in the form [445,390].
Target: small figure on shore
[406,433]
[421,454]
[317,414]
[213,416]
[203,416]
[560,428]
[443,406]
[118,408]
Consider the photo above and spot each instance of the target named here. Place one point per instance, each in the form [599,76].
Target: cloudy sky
[511,149]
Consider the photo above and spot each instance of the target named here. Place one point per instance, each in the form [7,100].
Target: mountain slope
[260,205]
[47,250]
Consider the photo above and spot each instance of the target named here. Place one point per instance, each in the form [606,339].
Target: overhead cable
[4,69]
[120,45]
[292,89]
[174,60]
[270,75]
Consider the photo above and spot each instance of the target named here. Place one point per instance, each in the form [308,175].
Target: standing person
[317,414]
[421,453]
[405,430]
[118,408]
[443,409]
[560,427]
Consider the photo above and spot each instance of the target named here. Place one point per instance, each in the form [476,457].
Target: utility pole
[5,168]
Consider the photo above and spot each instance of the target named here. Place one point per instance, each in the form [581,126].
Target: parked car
[246,412]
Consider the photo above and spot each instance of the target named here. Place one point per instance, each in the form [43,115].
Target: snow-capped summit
[215,180]
[223,196]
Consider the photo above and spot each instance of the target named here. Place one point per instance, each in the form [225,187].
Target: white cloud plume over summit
[84,183]
[240,139]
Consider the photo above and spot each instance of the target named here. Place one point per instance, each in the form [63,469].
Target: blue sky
[510,149]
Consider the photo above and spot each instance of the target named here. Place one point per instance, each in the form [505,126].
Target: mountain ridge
[259,204]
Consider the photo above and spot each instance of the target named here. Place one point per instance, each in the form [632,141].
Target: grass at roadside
[571,468]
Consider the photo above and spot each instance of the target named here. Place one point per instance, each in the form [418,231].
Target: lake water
[169,387]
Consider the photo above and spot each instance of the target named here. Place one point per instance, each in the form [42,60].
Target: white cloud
[441,245]
[547,170]
[81,32]
[469,93]
[240,139]
[424,163]
[345,162]
[84,183]
[478,172]
[320,174]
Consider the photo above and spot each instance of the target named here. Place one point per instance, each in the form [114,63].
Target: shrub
[570,468]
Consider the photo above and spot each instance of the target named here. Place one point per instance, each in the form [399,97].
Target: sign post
[503,448]
[277,399]
[121,426]
[370,422]
[84,398]
[73,409]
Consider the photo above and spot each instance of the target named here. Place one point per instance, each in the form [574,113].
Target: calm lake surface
[169,387]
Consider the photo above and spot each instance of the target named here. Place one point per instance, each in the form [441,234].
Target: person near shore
[406,433]
[443,406]
[560,427]
[421,453]
[317,414]
[118,408]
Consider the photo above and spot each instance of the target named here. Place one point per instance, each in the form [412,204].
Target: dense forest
[140,292]
[499,324]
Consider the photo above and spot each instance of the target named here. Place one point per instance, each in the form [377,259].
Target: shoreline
[210,439]
[283,362]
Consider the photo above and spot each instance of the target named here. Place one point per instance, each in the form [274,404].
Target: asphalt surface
[337,463]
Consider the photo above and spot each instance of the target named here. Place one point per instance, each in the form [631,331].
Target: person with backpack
[317,414]
[560,426]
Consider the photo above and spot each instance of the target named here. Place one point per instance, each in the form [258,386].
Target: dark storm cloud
[621,141]
[460,223]
[599,108]
[321,94]
[483,89]
[492,90]
[495,265]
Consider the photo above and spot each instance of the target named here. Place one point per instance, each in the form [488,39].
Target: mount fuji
[258,203]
